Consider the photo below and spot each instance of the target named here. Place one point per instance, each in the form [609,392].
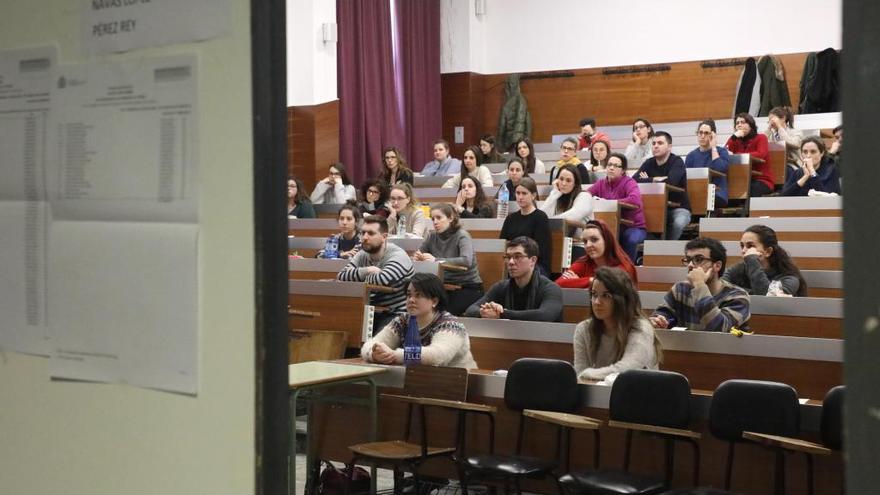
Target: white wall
[90,439]
[311,63]
[538,35]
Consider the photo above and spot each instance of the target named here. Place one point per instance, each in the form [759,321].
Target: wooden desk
[807,255]
[331,305]
[655,199]
[797,206]
[698,180]
[820,283]
[739,176]
[314,376]
[787,229]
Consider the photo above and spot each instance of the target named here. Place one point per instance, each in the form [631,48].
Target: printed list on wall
[102,216]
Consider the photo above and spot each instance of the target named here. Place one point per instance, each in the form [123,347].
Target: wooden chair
[424,387]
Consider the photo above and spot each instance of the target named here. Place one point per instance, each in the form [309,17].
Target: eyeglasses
[372,191]
[397,198]
[697,260]
[603,297]
[704,133]
[515,257]
[568,148]
[614,165]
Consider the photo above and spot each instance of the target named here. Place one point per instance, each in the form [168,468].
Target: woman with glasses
[525,150]
[602,249]
[568,201]
[568,157]
[766,268]
[348,240]
[617,185]
[394,167]
[335,188]
[529,222]
[444,339]
[450,244]
[406,217]
[374,194]
[639,149]
[617,337]
[471,166]
[298,204]
[746,139]
[471,201]
[817,172]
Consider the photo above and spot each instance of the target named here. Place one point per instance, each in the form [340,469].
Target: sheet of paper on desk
[123,304]
[26,78]
[126,141]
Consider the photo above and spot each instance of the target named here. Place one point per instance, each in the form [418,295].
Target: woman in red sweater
[746,139]
[602,250]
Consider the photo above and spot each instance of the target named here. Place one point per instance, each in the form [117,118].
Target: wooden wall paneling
[462,97]
[312,141]
[685,92]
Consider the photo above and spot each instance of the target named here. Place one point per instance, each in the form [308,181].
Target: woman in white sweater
[618,337]
[568,201]
[335,189]
[471,166]
[444,339]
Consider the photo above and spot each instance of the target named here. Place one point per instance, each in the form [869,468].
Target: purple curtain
[389,81]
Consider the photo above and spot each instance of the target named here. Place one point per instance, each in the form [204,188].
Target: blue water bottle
[503,201]
[412,343]
[331,248]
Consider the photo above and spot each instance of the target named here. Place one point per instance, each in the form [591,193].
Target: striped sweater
[396,271]
[698,309]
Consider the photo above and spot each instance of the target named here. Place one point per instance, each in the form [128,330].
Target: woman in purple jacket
[617,185]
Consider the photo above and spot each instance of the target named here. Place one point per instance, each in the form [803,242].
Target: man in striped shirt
[704,301]
[380,263]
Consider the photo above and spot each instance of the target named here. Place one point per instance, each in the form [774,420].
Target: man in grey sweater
[526,295]
[380,263]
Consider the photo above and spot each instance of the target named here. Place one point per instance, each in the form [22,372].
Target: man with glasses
[666,166]
[704,301]
[526,294]
[442,164]
[380,263]
[709,154]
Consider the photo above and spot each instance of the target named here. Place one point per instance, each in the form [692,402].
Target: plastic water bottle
[331,248]
[503,201]
[412,343]
[401,226]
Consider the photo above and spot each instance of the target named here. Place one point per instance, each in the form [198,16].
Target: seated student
[472,167]
[529,222]
[405,212]
[780,129]
[298,204]
[746,139]
[526,151]
[835,151]
[765,263]
[471,201]
[589,134]
[452,245]
[394,167]
[704,301]
[516,170]
[569,202]
[568,157]
[489,153]
[602,249]
[335,189]
[617,185]
[526,295]
[444,339]
[443,164]
[599,158]
[375,198]
[639,149]
[618,337]
[380,263]
[666,166]
[709,155]
[817,172]
[348,240]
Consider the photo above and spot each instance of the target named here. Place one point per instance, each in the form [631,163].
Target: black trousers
[461,299]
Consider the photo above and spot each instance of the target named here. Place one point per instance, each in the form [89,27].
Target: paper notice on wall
[122,25]
[26,77]
[124,303]
[126,141]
